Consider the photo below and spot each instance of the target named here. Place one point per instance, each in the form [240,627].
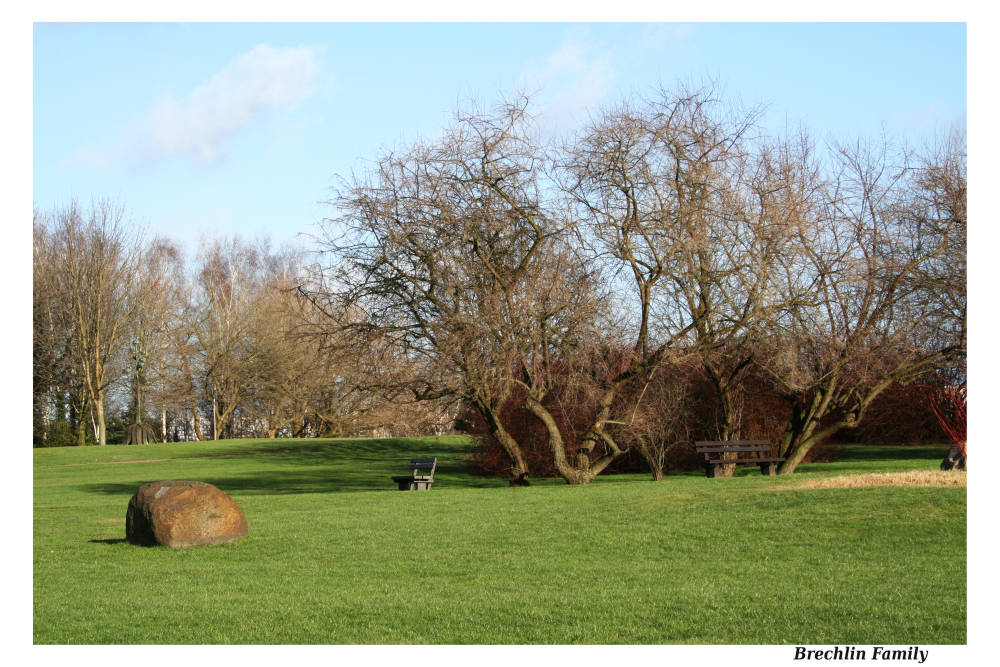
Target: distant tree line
[227,342]
[669,272]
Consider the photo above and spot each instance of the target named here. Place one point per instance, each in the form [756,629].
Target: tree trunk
[45,427]
[197,423]
[518,465]
[223,423]
[795,455]
[652,458]
[581,470]
[93,424]
[81,432]
[729,427]
[215,418]
[102,429]
[801,436]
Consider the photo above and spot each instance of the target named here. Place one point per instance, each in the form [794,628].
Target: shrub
[679,407]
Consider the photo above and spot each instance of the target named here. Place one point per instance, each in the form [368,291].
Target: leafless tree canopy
[228,344]
[876,294]
[86,268]
[449,255]
[497,266]
[490,270]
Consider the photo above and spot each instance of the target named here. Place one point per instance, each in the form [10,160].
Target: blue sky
[220,129]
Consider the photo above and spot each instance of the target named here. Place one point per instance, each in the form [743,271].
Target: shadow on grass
[320,466]
[362,465]
[346,449]
[281,482]
[115,540]
[847,453]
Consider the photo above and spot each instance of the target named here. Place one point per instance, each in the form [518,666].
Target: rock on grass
[183,514]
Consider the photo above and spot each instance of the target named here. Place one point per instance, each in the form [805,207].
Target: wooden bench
[421,475]
[719,453]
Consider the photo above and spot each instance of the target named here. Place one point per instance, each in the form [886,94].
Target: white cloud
[583,70]
[573,80]
[658,36]
[924,118]
[199,126]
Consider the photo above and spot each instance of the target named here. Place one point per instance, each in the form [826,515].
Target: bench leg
[413,485]
[711,469]
[769,469]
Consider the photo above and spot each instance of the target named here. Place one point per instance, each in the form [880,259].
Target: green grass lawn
[337,556]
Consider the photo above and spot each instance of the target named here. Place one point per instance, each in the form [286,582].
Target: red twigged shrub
[655,417]
[680,406]
[899,415]
[948,402]
[660,421]
[569,406]
[763,415]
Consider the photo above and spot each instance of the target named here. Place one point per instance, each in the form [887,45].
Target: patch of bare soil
[912,478]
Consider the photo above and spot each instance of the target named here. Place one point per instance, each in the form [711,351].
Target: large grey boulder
[183,514]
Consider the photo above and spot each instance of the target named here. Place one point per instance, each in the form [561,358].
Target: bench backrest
[423,468]
[726,446]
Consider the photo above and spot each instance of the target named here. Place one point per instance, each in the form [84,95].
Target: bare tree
[490,270]
[665,419]
[289,365]
[876,293]
[230,281]
[651,181]
[347,385]
[57,392]
[693,211]
[447,257]
[159,283]
[179,371]
[304,385]
[96,261]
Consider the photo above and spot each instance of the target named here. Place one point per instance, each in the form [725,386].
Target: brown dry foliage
[911,478]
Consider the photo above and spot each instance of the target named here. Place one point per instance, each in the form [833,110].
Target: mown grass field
[337,556]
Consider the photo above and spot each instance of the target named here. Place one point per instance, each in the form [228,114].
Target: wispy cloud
[658,36]
[584,69]
[198,127]
[922,119]
[573,79]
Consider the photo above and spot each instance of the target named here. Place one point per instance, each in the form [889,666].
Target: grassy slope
[336,555]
